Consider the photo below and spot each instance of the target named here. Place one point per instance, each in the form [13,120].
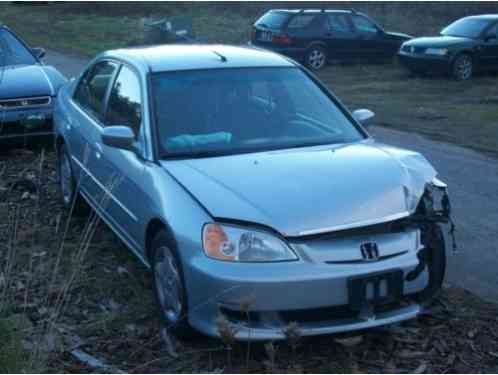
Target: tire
[462,68]
[316,58]
[435,258]
[70,197]
[167,273]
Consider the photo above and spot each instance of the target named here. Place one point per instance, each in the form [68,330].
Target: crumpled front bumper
[312,291]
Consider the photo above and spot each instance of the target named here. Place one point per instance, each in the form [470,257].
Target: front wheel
[463,67]
[316,58]
[71,199]
[169,287]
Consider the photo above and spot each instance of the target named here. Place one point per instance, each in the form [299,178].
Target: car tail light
[281,39]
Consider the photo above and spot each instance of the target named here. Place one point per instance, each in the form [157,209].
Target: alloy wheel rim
[65,177]
[168,285]
[464,67]
[316,59]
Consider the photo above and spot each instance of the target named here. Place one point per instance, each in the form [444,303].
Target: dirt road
[473,181]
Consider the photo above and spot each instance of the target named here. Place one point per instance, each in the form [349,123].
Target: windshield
[13,52]
[466,27]
[272,20]
[226,111]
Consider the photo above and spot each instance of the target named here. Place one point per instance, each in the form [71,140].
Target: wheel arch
[155,226]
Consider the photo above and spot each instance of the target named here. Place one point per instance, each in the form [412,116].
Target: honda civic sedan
[250,191]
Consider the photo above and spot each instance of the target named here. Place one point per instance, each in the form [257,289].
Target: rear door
[340,37]
[489,49]
[87,117]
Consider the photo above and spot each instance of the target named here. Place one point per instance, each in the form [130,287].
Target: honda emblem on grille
[369,251]
[24,103]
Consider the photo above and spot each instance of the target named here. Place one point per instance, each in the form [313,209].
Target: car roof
[297,11]
[490,17]
[174,57]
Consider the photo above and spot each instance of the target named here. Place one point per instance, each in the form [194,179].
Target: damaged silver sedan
[250,191]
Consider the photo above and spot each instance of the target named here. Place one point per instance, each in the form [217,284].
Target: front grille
[21,103]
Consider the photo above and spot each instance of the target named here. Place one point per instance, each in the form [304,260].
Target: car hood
[308,191]
[437,41]
[399,36]
[23,81]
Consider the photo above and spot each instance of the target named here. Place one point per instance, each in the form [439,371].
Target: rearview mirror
[38,52]
[363,116]
[121,137]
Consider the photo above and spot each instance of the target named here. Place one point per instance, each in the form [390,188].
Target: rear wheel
[169,286]
[463,67]
[316,58]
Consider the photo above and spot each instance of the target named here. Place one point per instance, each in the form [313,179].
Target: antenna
[222,58]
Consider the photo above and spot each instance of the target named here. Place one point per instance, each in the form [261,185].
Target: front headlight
[436,51]
[238,244]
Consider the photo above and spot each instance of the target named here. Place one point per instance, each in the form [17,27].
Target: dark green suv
[317,36]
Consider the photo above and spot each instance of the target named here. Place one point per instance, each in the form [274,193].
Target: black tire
[316,58]
[73,199]
[435,258]
[162,251]
[462,68]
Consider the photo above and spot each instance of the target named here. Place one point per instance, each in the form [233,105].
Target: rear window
[272,20]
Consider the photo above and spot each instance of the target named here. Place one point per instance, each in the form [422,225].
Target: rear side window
[301,21]
[125,101]
[91,91]
[272,20]
[364,25]
[339,24]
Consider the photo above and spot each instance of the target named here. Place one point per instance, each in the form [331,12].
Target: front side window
[226,111]
[466,27]
[91,90]
[492,33]
[364,25]
[125,103]
[12,51]
[301,21]
[339,24]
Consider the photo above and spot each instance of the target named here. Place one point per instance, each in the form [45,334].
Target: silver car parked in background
[243,183]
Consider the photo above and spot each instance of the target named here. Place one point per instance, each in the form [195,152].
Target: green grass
[61,27]
[464,113]
[456,112]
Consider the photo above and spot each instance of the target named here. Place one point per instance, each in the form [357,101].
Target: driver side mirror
[121,137]
[363,116]
[38,52]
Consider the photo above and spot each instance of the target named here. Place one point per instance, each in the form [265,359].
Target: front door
[122,171]
[370,43]
[340,37]
[489,49]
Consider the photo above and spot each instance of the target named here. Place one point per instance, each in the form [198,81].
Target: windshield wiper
[192,154]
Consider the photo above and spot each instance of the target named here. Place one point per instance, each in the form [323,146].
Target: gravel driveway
[473,181]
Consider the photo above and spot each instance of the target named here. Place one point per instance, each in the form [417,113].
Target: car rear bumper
[425,63]
[312,293]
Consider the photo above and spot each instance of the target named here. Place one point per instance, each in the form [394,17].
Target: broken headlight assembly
[435,207]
